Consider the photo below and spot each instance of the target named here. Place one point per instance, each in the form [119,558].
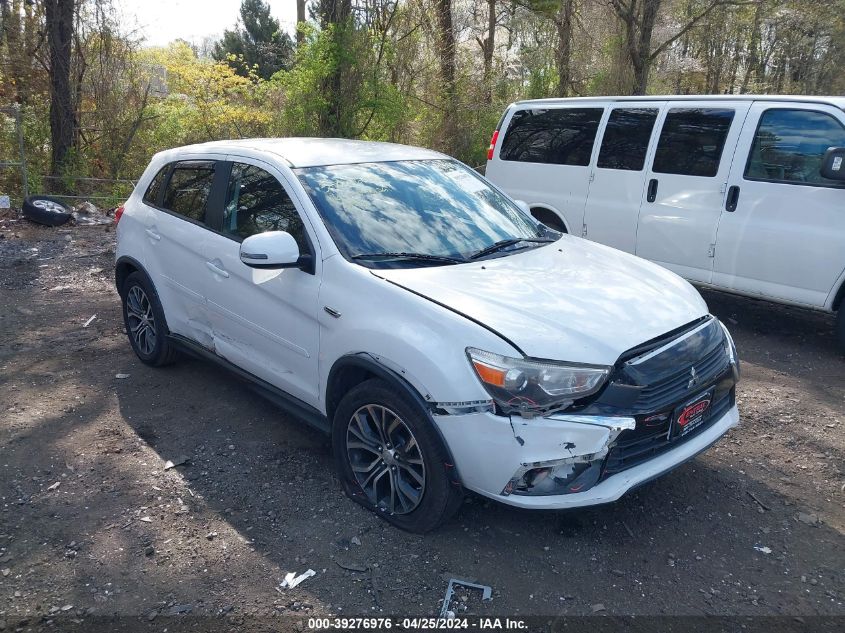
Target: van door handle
[651,196]
[217,270]
[732,199]
[153,235]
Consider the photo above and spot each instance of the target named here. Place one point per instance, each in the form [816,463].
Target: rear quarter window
[558,136]
[153,194]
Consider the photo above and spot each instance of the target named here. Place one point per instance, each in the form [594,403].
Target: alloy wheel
[386,459]
[142,326]
[49,205]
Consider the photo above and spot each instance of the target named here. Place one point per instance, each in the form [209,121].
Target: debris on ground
[173,463]
[54,486]
[596,608]
[121,376]
[808,519]
[292,580]
[763,548]
[351,566]
[486,594]
[89,321]
[87,213]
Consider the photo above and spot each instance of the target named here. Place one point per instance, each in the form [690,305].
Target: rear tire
[391,459]
[144,321]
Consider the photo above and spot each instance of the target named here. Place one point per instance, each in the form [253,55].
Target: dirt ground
[94,524]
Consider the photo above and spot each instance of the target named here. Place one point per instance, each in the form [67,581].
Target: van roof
[838,102]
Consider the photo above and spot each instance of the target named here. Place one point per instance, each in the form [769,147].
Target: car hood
[571,300]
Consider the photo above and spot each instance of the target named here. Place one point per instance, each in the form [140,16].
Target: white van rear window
[559,136]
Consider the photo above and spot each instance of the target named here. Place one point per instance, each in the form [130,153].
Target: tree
[59,25]
[256,42]
[638,18]
[300,18]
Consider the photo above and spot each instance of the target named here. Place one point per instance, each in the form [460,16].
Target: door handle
[732,199]
[217,270]
[651,196]
[153,235]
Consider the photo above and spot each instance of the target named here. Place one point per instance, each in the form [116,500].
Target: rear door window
[560,136]
[692,140]
[789,146]
[189,188]
[626,138]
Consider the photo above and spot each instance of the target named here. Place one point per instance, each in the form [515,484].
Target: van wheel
[391,460]
[840,327]
[144,321]
[549,219]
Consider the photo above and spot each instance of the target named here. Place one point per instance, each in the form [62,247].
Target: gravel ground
[94,523]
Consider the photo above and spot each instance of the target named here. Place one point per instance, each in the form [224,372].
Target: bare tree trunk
[336,14]
[59,16]
[488,46]
[563,24]
[446,43]
[300,17]
[641,60]
[752,65]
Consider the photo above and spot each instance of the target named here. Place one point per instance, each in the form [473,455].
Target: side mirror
[273,249]
[522,204]
[833,164]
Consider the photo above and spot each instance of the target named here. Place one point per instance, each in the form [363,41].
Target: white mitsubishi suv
[395,299]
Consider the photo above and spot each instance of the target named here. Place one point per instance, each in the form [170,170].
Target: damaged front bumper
[556,462]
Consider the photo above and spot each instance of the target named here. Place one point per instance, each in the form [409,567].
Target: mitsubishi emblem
[693,381]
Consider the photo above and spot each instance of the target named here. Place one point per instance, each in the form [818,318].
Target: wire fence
[102,192]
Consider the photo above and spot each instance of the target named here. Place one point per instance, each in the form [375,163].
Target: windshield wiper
[420,256]
[497,246]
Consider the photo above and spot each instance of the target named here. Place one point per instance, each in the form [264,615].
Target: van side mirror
[273,249]
[833,164]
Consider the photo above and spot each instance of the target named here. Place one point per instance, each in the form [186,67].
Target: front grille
[670,390]
[638,445]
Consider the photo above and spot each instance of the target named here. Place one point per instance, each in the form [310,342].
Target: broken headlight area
[558,477]
[528,386]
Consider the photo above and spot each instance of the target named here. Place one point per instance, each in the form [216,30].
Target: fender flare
[119,278]
[370,364]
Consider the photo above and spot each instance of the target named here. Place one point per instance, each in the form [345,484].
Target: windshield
[416,213]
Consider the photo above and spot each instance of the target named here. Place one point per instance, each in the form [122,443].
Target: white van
[727,191]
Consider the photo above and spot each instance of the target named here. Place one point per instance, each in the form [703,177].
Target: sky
[162,21]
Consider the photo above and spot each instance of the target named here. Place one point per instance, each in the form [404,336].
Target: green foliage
[256,45]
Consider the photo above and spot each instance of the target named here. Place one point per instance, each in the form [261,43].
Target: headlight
[530,386]
[730,348]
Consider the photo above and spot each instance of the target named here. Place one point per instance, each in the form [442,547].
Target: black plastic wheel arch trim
[369,363]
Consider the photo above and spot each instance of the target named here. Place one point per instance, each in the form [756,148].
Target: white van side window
[560,136]
[789,146]
[692,140]
[626,138]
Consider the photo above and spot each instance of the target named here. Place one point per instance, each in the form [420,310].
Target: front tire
[391,459]
[840,327]
[144,321]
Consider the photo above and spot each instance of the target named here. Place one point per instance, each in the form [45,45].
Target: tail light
[117,213]
[492,145]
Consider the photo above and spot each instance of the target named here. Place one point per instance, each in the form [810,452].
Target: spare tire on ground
[46,210]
